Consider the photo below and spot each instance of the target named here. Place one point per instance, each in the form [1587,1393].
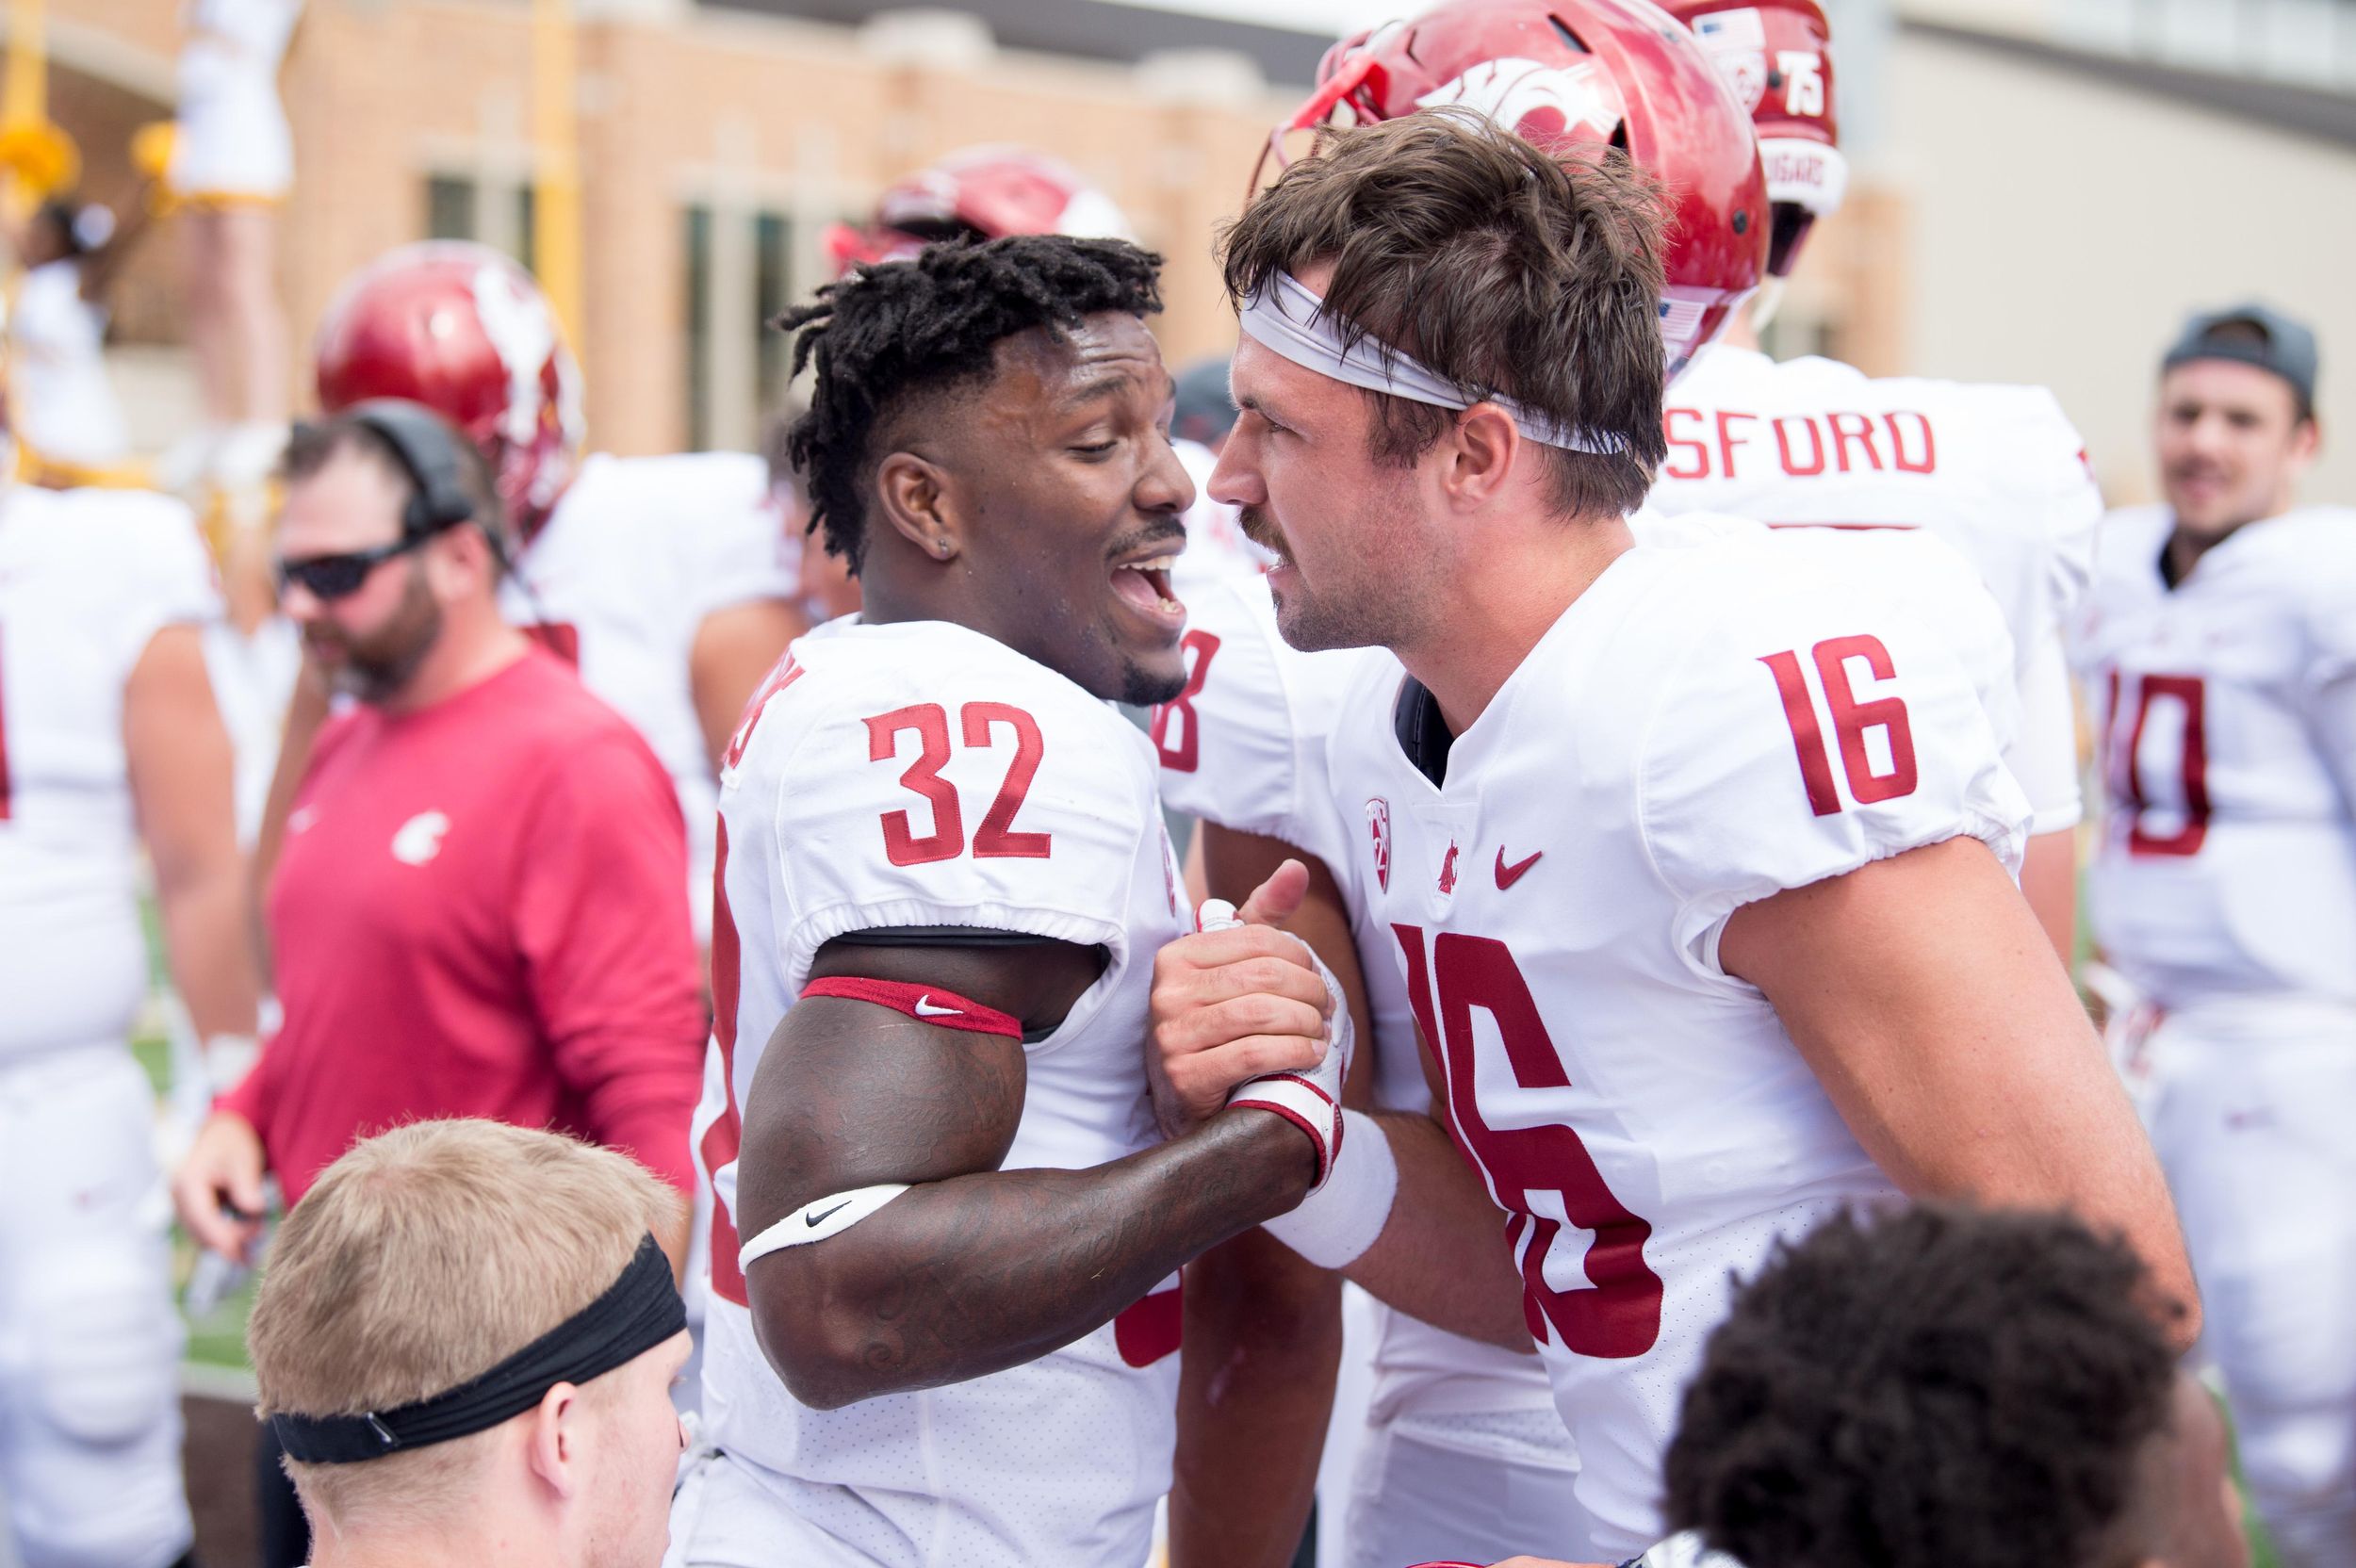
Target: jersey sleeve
[1818,728]
[984,792]
[732,539]
[155,549]
[2070,502]
[1244,744]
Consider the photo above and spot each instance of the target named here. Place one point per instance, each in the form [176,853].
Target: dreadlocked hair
[887,335]
[1938,1389]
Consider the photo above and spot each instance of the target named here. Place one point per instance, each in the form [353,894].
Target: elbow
[826,1357]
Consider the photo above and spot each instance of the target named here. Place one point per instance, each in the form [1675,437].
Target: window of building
[744,263]
[498,213]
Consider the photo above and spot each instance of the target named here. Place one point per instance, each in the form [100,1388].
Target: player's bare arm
[735,647]
[1926,999]
[973,1270]
[1263,1324]
[181,775]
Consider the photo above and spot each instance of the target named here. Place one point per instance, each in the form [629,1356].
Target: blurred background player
[667,583]
[68,425]
[1998,472]
[986,192]
[2219,648]
[108,741]
[478,910]
[496,1301]
[1942,1388]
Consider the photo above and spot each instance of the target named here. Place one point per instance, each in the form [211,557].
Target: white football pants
[89,1345]
[2254,1112]
[1465,1488]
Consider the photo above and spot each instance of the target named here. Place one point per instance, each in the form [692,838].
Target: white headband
[1285,317]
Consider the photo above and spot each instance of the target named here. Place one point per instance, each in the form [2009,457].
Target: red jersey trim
[925,1004]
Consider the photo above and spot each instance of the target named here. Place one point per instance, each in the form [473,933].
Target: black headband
[639,1311]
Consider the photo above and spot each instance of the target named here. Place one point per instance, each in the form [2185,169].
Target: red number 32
[996,837]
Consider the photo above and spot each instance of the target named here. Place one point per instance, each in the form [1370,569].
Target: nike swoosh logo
[925,1008]
[814,1220]
[1508,875]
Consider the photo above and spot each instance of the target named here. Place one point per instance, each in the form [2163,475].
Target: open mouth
[1145,585]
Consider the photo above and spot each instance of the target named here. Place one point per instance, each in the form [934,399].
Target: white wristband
[1334,1225]
[819,1220]
[1310,1098]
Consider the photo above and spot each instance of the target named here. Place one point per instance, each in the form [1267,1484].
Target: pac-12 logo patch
[1379,825]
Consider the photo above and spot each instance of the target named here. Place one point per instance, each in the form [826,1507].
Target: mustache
[1169,531]
[1254,522]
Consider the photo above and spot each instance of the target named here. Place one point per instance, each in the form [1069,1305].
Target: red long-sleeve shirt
[480,911]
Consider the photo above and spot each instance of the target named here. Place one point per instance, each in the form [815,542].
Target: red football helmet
[464,329]
[984,192]
[1571,73]
[1777,57]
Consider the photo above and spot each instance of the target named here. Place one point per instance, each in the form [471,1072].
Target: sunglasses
[327,578]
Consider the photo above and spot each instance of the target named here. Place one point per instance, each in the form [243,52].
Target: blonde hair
[420,1259]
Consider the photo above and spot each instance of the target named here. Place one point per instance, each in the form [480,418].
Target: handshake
[1246,1014]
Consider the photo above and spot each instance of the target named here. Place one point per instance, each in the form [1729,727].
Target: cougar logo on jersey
[1379,824]
[1542,103]
[419,840]
[1448,870]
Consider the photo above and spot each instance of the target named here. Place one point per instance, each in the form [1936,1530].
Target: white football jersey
[924,774]
[1215,546]
[1244,745]
[1707,724]
[2228,856]
[638,552]
[1998,472]
[87,578]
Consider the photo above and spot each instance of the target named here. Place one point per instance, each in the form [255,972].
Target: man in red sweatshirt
[477,912]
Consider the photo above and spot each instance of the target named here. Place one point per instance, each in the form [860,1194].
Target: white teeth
[1159,564]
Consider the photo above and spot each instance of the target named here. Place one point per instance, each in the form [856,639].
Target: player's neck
[470,651]
[1740,333]
[471,1546]
[1514,596]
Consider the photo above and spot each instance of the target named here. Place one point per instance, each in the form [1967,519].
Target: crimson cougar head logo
[1379,824]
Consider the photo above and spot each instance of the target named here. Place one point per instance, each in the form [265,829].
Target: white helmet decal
[1549,99]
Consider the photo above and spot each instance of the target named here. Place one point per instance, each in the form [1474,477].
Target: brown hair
[423,1257]
[1505,272]
[313,443]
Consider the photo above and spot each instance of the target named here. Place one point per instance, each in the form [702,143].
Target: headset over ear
[428,454]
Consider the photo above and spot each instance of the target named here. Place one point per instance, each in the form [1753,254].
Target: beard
[374,668]
[1362,596]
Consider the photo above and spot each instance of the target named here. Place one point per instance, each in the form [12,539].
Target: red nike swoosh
[1508,875]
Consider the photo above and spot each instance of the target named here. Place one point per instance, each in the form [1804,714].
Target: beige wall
[2061,230]
[679,105]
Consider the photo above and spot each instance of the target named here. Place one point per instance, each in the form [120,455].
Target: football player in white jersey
[1692,983]
[1998,473]
[666,581]
[944,1259]
[2218,647]
[109,739]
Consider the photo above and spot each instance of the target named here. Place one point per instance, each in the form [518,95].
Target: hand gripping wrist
[1311,1098]
[1344,1216]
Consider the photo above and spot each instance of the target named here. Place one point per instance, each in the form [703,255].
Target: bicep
[181,768]
[850,1094]
[1927,1000]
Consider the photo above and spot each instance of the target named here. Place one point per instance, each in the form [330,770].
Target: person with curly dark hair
[1946,1388]
[943,1259]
